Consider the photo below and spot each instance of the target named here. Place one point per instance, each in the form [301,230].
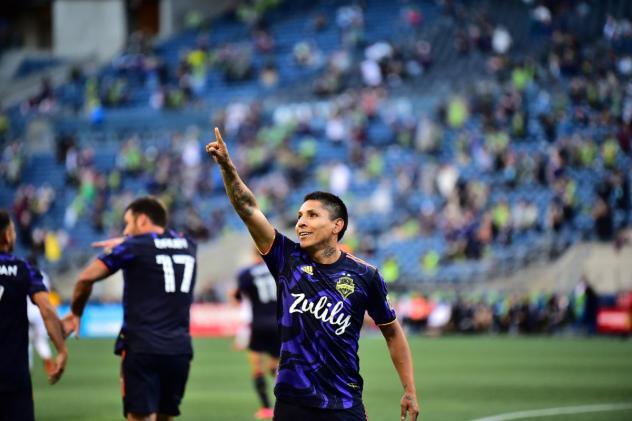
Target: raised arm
[242,199]
[109,243]
[402,360]
[55,331]
[91,274]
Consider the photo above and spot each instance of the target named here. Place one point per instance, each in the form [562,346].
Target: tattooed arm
[242,199]
[402,360]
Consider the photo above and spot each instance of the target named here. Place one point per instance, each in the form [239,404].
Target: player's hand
[60,365]
[410,406]
[217,149]
[109,243]
[71,324]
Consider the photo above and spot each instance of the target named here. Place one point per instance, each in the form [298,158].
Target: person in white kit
[38,337]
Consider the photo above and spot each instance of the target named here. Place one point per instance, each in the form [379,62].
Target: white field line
[557,411]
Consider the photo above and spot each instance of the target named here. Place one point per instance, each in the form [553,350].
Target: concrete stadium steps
[44,169]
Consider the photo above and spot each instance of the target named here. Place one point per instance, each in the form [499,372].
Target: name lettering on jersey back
[322,310]
[171,243]
[9,270]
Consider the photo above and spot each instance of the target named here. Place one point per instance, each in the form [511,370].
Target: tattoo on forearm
[239,194]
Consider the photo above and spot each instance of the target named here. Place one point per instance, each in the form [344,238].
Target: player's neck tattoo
[329,251]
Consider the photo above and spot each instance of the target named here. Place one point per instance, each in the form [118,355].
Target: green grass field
[458,378]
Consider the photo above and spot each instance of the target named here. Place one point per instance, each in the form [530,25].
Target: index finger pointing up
[218,136]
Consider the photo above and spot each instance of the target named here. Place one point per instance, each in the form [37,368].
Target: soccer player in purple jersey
[256,284]
[323,294]
[159,268]
[18,279]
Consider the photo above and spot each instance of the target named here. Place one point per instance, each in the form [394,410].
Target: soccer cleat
[49,366]
[264,414]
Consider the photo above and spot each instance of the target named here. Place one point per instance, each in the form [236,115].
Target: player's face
[314,226]
[132,225]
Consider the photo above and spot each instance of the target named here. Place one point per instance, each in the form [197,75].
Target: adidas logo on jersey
[308,270]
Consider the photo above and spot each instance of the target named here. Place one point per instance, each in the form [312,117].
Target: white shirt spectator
[340,179]
[501,40]
[336,129]
[446,180]
[191,156]
[381,199]
[371,73]
[378,51]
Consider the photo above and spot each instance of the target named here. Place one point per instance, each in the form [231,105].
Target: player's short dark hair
[5,219]
[152,207]
[334,205]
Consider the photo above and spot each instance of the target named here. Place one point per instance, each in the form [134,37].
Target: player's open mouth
[304,234]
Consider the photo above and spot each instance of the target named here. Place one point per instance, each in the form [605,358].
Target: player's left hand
[409,405]
[60,365]
[71,324]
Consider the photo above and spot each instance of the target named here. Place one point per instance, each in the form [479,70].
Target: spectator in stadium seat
[390,270]
[5,124]
[622,195]
[323,293]
[12,163]
[159,270]
[604,219]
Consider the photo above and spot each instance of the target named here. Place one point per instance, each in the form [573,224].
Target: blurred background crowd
[469,139]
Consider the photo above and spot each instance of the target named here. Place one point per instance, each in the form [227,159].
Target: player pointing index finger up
[323,294]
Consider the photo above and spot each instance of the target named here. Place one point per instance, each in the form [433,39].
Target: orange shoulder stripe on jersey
[263,253]
[358,260]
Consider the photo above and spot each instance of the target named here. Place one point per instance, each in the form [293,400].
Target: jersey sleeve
[278,254]
[378,306]
[244,281]
[35,281]
[118,257]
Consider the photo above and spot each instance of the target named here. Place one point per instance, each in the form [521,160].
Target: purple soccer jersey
[18,279]
[159,272]
[256,283]
[322,312]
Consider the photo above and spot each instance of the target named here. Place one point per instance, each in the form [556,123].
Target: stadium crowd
[515,158]
[502,312]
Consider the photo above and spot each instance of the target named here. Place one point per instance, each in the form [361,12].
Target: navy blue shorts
[153,383]
[17,406]
[285,411]
[266,341]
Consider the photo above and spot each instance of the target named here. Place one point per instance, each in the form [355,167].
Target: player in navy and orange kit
[18,279]
[159,269]
[323,294]
[256,284]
